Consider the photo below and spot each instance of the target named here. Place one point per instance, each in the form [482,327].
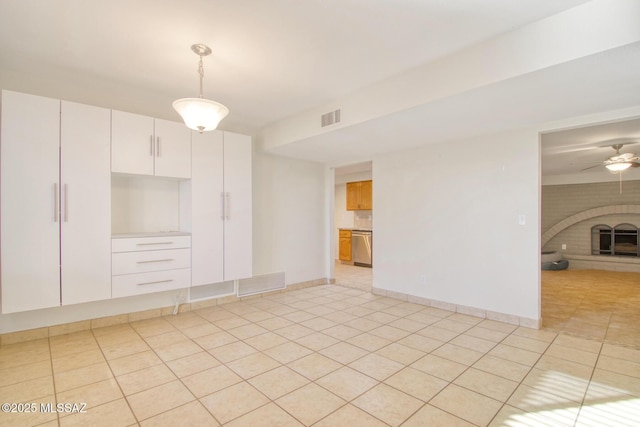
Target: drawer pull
[157,243]
[153,283]
[154,260]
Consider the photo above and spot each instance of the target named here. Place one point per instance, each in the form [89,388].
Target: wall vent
[259,284]
[330,118]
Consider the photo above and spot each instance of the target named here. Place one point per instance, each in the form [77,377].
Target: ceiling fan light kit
[199,113]
[618,167]
[620,162]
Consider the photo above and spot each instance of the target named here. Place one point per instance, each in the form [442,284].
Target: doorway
[348,219]
[580,206]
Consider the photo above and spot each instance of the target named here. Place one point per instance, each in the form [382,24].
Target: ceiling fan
[619,161]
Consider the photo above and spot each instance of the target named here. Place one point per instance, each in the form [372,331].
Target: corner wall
[289,218]
[447,223]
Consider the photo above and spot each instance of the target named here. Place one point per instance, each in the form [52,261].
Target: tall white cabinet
[54,243]
[30,220]
[221,202]
[85,186]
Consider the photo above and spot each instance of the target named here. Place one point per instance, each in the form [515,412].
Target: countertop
[356,229]
[149,234]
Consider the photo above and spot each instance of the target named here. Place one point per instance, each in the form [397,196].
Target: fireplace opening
[621,240]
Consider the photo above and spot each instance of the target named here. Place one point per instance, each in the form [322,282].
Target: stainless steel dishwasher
[362,248]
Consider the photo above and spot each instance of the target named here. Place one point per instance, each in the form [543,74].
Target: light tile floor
[322,356]
[595,304]
[353,276]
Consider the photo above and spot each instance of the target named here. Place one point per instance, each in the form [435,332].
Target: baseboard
[456,308]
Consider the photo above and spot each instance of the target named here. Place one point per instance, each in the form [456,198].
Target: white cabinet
[85,186]
[55,219]
[173,149]
[221,220]
[207,205]
[146,146]
[30,228]
[238,205]
[143,265]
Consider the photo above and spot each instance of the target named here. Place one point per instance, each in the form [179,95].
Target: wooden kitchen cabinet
[345,245]
[360,195]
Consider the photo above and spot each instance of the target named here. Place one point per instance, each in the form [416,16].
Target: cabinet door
[30,226]
[85,183]
[172,149]
[206,206]
[238,217]
[345,248]
[132,143]
[366,195]
[353,196]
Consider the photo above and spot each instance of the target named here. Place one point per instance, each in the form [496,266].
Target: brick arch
[585,215]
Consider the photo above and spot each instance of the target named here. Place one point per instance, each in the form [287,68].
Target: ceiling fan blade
[591,167]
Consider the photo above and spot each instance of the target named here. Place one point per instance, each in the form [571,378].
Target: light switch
[522,219]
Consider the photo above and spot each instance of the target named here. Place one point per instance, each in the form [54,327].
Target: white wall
[144,204]
[289,218]
[446,223]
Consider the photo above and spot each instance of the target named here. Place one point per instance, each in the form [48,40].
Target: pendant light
[199,113]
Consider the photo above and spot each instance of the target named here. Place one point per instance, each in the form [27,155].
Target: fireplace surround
[621,240]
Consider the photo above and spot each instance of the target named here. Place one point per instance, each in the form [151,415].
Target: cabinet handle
[157,146]
[66,202]
[158,243]
[153,283]
[227,205]
[222,206]
[154,260]
[151,145]
[55,201]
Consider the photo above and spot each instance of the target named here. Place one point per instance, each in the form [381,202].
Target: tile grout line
[53,380]
[115,378]
[196,398]
[524,377]
[586,392]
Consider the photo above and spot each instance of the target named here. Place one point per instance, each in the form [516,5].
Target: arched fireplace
[621,240]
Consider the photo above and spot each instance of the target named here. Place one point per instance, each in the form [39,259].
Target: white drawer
[150,243]
[144,283]
[145,261]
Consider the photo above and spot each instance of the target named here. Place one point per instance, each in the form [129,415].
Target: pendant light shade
[199,113]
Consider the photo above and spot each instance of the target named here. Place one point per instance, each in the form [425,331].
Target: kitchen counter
[355,229]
